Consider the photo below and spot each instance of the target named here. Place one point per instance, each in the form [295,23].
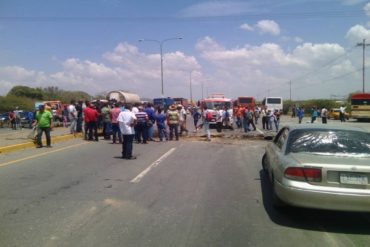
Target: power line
[276,15]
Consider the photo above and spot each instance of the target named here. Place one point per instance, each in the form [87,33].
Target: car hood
[335,159]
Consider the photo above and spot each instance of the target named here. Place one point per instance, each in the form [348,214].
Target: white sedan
[320,166]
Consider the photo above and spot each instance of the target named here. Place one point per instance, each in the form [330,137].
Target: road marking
[154,164]
[259,131]
[42,154]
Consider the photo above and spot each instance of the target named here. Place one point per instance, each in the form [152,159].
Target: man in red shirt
[91,119]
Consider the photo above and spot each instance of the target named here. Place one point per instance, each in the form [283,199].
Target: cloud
[367,9]
[254,70]
[246,27]
[216,8]
[357,33]
[352,2]
[123,68]
[268,26]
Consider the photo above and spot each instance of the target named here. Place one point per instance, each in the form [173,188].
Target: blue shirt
[150,113]
[160,118]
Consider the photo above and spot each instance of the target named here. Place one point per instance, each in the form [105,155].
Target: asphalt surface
[185,193]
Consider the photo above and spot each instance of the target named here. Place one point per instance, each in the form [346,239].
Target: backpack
[209,116]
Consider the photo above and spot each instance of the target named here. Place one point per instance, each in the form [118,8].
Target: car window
[329,141]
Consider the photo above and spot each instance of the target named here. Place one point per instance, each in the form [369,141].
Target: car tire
[264,163]
[276,201]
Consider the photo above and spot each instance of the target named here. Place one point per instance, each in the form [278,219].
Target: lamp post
[191,88]
[161,42]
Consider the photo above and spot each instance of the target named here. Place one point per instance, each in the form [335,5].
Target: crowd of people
[125,123]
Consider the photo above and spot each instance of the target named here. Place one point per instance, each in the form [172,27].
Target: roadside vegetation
[25,97]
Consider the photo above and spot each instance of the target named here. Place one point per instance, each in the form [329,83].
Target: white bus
[273,103]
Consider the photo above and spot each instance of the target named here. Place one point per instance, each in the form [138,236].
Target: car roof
[324,127]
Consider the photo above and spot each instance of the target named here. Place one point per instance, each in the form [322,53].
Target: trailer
[123,97]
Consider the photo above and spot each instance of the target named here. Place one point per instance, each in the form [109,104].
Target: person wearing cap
[173,118]
[44,122]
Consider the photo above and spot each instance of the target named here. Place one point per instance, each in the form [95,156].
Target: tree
[27,92]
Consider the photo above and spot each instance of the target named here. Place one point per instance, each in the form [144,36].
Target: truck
[214,102]
[245,101]
[123,97]
[182,101]
[164,103]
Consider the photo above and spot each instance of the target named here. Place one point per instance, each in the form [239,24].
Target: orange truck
[56,108]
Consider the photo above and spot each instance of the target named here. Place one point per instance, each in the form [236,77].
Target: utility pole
[363,44]
[290,90]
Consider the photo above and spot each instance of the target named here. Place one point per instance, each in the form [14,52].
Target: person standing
[324,115]
[270,119]
[72,116]
[300,114]
[342,112]
[142,126]
[79,120]
[256,114]
[196,117]
[207,117]
[115,125]
[11,118]
[107,125]
[219,119]
[127,121]
[313,114]
[17,115]
[264,118]
[182,119]
[276,117]
[160,119]
[65,116]
[91,119]
[151,116]
[44,122]
[173,118]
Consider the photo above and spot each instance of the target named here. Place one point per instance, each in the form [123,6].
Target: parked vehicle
[323,167]
[245,102]
[182,101]
[335,112]
[164,103]
[360,106]
[4,119]
[273,103]
[216,101]
[123,97]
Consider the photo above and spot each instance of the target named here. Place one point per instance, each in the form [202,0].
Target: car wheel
[264,163]
[276,201]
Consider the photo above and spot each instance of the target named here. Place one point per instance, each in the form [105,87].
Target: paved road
[187,193]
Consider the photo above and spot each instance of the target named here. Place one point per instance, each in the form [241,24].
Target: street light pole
[363,44]
[191,89]
[161,42]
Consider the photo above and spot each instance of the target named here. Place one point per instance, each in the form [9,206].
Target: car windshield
[216,104]
[329,141]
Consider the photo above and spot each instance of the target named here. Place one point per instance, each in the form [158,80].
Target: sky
[295,49]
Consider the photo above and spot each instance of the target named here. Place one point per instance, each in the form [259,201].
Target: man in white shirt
[127,121]
[342,111]
[324,115]
[72,115]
